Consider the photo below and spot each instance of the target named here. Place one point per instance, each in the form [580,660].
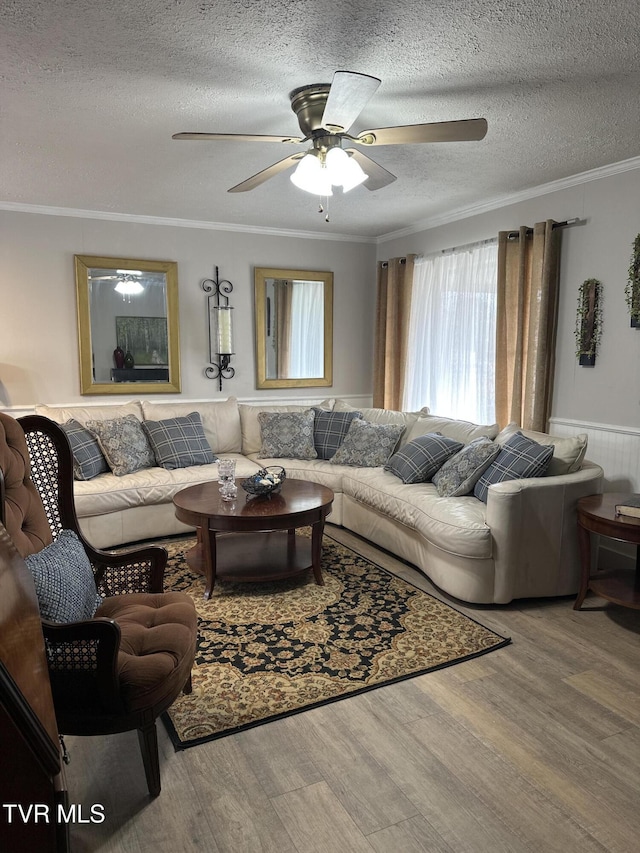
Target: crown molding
[514,198]
[45,210]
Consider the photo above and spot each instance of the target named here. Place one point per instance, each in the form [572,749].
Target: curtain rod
[513,235]
[385,264]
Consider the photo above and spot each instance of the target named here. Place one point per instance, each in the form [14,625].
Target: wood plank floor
[535,747]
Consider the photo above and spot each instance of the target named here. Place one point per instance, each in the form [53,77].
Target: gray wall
[600,247]
[39,343]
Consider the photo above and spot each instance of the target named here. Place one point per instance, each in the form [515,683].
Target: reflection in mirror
[294,318]
[128,325]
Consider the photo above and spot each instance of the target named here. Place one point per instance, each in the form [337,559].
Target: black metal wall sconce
[220,329]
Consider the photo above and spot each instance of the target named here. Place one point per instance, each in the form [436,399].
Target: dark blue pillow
[329,431]
[88,459]
[419,459]
[179,442]
[520,457]
[64,580]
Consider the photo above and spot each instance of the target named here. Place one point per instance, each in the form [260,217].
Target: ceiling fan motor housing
[308,103]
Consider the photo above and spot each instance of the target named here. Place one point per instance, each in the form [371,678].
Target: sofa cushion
[64,580]
[157,645]
[330,429]
[419,460]
[88,459]
[287,434]
[383,416]
[461,472]
[179,442]
[457,527]
[250,425]
[220,420]
[519,457]
[107,493]
[82,414]
[463,431]
[568,451]
[124,444]
[367,445]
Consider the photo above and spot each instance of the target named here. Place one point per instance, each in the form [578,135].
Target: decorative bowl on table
[266,481]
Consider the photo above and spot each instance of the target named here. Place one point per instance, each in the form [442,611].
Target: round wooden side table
[597,514]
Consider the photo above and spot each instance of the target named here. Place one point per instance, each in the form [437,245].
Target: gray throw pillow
[64,580]
[520,457]
[287,434]
[179,442]
[124,444]
[88,460]
[330,429]
[461,472]
[419,460]
[367,445]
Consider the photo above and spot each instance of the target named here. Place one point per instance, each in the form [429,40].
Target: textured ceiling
[92,92]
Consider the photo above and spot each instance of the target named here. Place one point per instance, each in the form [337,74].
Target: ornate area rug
[267,650]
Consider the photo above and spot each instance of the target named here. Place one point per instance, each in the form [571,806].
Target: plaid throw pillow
[419,460]
[520,457]
[329,431]
[179,442]
[88,460]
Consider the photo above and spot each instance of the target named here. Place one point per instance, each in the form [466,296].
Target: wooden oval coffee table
[259,541]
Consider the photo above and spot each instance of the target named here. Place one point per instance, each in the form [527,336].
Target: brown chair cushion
[157,646]
[26,520]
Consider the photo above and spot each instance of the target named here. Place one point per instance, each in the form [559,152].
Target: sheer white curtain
[306,344]
[452,334]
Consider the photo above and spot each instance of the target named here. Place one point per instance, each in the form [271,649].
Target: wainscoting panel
[617,450]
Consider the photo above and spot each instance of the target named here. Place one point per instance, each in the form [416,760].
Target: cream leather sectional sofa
[521,543]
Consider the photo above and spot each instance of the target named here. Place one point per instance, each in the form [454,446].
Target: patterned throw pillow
[64,581]
[330,429]
[88,460]
[419,460]
[287,434]
[124,444]
[367,445]
[179,442]
[520,457]
[461,472]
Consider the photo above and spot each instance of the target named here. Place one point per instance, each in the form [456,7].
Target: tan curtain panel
[527,313]
[395,279]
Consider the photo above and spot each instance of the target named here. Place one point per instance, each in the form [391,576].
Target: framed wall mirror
[294,328]
[128,325]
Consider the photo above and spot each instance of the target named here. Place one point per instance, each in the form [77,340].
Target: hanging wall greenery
[589,321]
[632,289]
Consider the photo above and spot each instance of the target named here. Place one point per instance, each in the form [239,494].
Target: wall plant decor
[632,289]
[588,321]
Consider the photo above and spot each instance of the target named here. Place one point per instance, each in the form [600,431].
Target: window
[452,331]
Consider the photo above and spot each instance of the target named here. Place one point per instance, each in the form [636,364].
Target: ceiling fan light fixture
[344,171]
[311,176]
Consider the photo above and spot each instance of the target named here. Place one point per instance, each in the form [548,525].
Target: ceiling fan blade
[270,172]
[237,137]
[438,131]
[349,94]
[378,176]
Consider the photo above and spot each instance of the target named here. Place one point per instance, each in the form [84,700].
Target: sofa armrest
[533,524]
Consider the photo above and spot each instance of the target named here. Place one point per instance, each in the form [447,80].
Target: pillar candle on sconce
[220,329]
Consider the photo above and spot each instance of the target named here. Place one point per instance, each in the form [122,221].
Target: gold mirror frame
[261,275]
[83,266]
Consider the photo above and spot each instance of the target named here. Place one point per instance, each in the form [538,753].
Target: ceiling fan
[325,114]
